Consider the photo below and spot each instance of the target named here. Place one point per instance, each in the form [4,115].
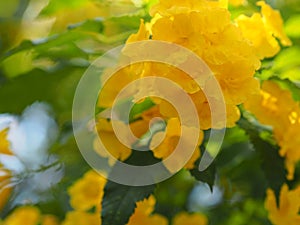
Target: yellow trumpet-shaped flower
[288,210]
[263,29]
[87,192]
[184,218]
[164,143]
[82,218]
[4,174]
[29,214]
[143,214]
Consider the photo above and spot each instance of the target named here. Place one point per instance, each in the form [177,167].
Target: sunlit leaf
[292,27]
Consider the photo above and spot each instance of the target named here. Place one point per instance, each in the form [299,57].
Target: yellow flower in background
[114,84]
[110,142]
[4,174]
[290,147]
[82,218]
[169,7]
[237,2]
[49,220]
[263,29]
[274,22]
[28,215]
[164,143]
[289,204]
[142,34]
[87,192]
[4,143]
[143,214]
[4,191]
[184,218]
[276,107]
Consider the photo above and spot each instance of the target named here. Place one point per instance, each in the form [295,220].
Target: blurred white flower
[30,136]
[202,197]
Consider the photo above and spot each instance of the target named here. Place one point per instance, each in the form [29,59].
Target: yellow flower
[4,174]
[29,214]
[169,7]
[142,34]
[114,83]
[164,143]
[290,147]
[4,143]
[288,210]
[184,218]
[254,30]
[274,22]
[110,141]
[276,107]
[4,191]
[143,214]
[82,218]
[237,2]
[49,220]
[87,192]
[262,30]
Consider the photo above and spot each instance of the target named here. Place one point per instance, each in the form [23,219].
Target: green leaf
[139,108]
[288,58]
[271,163]
[56,5]
[55,88]
[119,202]
[292,27]
[24,61]
[207,176]
[8,8]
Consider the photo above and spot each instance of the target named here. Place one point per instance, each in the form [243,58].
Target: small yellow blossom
[164,143]
[237,2]
[29,214]
[110,141]
[49,220]
[4,143]
[82,218]
[143,34]
[263,29]
[87,192]
[169,7]
[5,175]
[288,210]
[143,214]
[184,218]
[4,191]
[274,22]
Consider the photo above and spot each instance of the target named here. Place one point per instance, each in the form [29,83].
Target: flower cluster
[232,49]
[276,107]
